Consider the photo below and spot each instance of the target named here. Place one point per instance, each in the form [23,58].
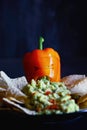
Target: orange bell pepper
[42,62]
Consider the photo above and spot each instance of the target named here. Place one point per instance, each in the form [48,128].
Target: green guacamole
[46,97]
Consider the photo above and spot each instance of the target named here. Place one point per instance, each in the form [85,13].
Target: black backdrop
[62,23]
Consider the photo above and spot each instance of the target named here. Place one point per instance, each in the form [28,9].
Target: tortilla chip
[17,106]
[19,82]
[16,93]
[83,105]
[82,101]
[2,93]
[70,80]
[6,81]
[12,87]
[80,87]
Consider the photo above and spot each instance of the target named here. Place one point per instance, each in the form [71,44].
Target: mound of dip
[46,97]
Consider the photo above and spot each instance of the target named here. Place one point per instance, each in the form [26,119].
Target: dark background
[62,23]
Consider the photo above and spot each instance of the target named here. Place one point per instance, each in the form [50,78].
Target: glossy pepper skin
[42,62]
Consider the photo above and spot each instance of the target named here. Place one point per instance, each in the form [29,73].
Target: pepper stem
[41,40]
